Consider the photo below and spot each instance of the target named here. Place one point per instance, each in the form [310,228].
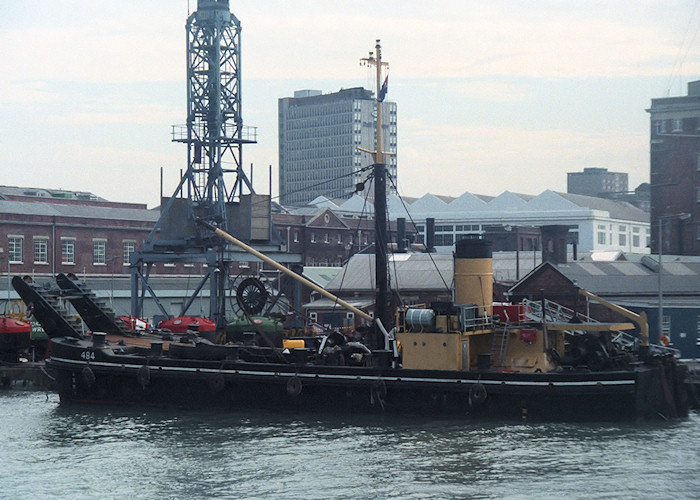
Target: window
[128,250]
[622,239]
[14,249]
[635,240]
[296,236]
[601,238]
[677,125]
[99,252]
[313,237]
[41,250]
[443,240]
[325,236]
[67,250]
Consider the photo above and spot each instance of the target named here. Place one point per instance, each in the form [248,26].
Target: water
[48,451]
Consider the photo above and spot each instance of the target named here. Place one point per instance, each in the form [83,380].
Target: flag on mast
[384,89]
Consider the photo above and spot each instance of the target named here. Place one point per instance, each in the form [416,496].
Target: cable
[354,172]
[447,288]
[357,231]
[679,60]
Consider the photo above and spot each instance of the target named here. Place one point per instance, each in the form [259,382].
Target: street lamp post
[660,221]
[661,293]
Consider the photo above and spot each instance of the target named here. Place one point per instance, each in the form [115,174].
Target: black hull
[229,384]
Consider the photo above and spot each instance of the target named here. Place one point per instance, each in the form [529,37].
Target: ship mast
[380,222]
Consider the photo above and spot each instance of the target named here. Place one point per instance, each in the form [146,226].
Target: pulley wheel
[251,296]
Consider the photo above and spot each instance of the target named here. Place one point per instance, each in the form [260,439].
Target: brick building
[49,231]
[675,172]
[325,237]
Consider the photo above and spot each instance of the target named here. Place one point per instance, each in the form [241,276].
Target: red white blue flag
[384,89]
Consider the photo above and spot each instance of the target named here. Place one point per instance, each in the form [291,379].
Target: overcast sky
[492,96]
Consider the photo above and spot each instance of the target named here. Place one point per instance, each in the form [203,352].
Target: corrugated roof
[630,278]
[617,209]
[417,272]
[328,303]
[81,211]
[321,275]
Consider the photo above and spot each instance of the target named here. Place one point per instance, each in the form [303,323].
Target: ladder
[557,313]
[499,346]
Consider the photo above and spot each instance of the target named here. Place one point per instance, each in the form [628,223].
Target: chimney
[430,235]
[401,234]
[473,274]
[554,243]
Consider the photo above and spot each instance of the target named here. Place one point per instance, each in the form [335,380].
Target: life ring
[88,376]
[216,382]
[477,394]
[294,386]
[664,340]
[144,376]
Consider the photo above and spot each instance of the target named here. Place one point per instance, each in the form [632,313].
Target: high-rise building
[675,173]
[319,137]
[596,182]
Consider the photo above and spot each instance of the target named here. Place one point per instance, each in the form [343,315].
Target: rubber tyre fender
[88,376]
[477,395]
[144,376]
[294,386]
[217,382]
[378,392]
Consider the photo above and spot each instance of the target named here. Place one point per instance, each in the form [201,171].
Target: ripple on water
[109,452]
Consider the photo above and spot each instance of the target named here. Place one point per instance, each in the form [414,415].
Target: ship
[466,358]
[469,358]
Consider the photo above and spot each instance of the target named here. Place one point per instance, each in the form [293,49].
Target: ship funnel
[474,274]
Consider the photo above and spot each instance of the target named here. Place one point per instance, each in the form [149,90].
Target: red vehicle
[181,324]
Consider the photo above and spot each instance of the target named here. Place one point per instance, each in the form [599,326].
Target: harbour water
[49,451]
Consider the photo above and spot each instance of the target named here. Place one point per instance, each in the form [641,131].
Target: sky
[492,96]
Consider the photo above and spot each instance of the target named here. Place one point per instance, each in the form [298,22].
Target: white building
[597,224]
[319,137]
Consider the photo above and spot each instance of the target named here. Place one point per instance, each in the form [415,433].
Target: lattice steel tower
[214,131]
[214,135]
